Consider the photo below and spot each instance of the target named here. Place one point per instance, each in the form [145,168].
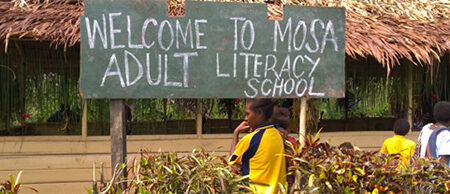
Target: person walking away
[438,144]
[259,154]
[424,135]
[399,144]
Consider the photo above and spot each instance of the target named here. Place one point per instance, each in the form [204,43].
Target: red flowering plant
[435,96]
[24,117]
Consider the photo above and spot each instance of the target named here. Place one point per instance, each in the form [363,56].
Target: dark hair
[264,104]
[282,116]
[401,127]
[346,145]
[442,112]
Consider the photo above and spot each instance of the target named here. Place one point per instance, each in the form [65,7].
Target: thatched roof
[417,30]
[55,20]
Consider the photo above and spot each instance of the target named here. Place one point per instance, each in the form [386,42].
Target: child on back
[399,144]
[281,118]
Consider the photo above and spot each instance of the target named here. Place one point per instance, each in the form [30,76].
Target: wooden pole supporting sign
[302,123]
[118,133]
[84,121]
[199,118]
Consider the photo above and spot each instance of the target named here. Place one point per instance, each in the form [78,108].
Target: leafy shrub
[318,168]
[198,172]
[322,168]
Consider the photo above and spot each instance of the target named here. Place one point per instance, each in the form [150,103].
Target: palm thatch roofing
[417,30]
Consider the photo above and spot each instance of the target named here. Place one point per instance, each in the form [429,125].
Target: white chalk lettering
[236,19]
[304,29]
[286,67]
[199,34]
[218,74]
[278,86]
[96,27]
[249,83]
[113,31]
[329,31]
[166,77]
[127,68]
[286,86]
[252,34]
[315,63]
[299,83]
[246,62]
[144,30]
[130,45]
[234,64]
[184,36]
[266,93]
[108,72]
[313,34]
[149,77]
[271,68]
[277,29]
[310,92]
[256,64]
[294,69]
[160,34]
[185,65]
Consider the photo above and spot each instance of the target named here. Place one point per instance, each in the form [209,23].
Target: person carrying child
[259,154]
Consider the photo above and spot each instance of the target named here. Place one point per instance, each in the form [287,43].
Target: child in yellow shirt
[399,144]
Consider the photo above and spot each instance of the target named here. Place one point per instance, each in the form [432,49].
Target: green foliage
[331,109]
[45,94]
[230,108]
[198,172]
[318,168]
[11,94]
[368,97]
[322,168]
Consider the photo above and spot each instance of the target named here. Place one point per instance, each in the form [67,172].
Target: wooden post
[84,121]
[118,133]
[302,123]
[199,119]
[410,95]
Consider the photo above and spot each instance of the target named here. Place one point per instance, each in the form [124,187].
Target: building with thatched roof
[40,37]
[387,30]
[397,53]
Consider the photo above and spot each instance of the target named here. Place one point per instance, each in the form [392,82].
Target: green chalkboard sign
[132,49]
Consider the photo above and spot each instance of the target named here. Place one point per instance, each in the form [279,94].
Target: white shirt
[443,143]
[424,136]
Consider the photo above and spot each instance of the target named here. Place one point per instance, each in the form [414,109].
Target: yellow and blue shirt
[399,145]
[260,155]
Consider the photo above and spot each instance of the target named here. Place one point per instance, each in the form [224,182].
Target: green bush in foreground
[198,172]
[318,168]
[193,173]
[322,168]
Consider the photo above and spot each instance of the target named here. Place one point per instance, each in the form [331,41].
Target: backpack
[431,146]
